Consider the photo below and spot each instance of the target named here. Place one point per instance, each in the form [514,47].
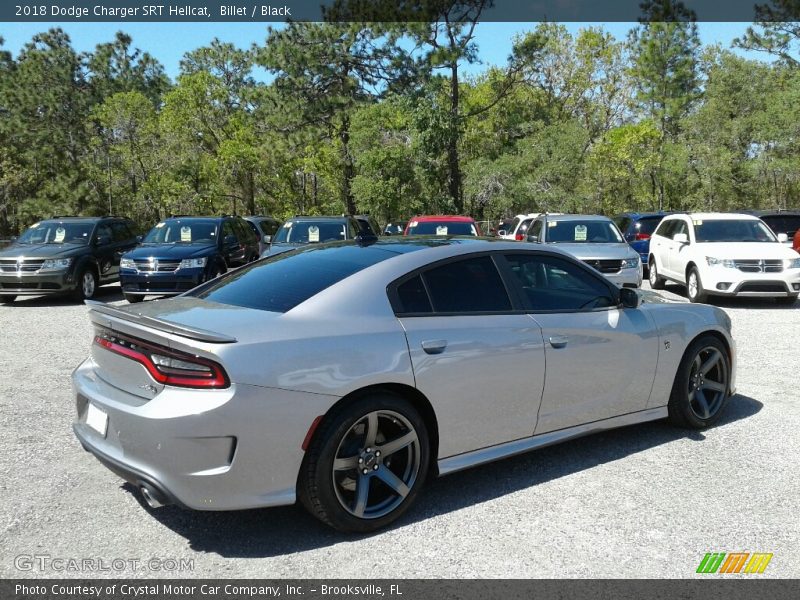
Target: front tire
[133,298]
[694,287]
[366,464]
[656,282]
[700,391]
[87,284]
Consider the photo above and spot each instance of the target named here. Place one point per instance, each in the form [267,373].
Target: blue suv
[637,228]
[180,253]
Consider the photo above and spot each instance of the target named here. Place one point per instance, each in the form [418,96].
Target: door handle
[434,346]
[558,341]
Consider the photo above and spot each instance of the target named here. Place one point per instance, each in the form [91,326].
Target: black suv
[180,253]
[65,255]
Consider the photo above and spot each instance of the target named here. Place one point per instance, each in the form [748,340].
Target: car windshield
[732,230]
[583,232]
[787,224]
[442,228]
[57,233]
[305,232]
[281,282]
[183,231]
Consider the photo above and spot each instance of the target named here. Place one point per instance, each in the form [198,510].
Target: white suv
[724,255]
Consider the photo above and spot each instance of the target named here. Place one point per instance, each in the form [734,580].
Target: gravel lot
[645,501]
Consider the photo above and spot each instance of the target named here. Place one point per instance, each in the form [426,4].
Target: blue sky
[169,41]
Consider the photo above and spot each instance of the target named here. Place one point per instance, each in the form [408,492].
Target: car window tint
[281,282]
[622,223]
[253,227]
[787,224]
[647,225]
[535,229]
[103,232]
[227,229]
[554,284]
[470,285]
[413,297]
[679,227]
[664,228]
[120,232]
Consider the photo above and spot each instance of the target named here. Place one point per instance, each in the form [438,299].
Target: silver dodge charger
[346,374]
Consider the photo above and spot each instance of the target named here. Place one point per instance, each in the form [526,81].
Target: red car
[442,225]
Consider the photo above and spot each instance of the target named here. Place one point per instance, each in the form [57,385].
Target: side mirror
[783,238]
[630,298]
[501,232]
[267,239]
[681,238]
[533,238]
[103,240]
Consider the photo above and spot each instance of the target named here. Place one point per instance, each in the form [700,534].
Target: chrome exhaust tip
[151,497]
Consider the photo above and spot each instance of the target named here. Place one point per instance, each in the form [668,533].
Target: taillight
[641,236]
[165,365]
[519,237]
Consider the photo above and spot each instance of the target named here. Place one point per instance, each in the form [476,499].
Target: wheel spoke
[711,361]
[713,385]
[362,495]
[392,480]
[701,400]
[372,430]
[390,448]
[345,464]
[697,363]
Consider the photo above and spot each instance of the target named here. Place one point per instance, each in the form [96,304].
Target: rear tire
[694,287]
[700,391]
[656,282]
[7,299]
[133,298]
[366,464]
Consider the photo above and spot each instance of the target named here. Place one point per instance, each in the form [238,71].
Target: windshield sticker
[552,223]
[441,230]
[287,225]
[186,234]
[61,233]
[313,233]
[580,233]
[413,224]
[697,222]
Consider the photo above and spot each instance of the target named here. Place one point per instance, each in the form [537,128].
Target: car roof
[577,217]
[448,218]
[712,216]
[643,215]
[332,219]
[775,213]
[80,219]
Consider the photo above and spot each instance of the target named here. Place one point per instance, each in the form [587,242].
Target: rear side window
[282,282]
[413,297]
[470,285]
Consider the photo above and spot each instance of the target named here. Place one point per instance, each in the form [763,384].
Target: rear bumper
[226,449]
[36,284]
[161,284]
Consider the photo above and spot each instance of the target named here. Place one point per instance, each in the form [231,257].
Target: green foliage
[379,118]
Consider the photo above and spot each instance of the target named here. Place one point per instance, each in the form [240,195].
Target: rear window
[281,282]
[787,224]
[647,225]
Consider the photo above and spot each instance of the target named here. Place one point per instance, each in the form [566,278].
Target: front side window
[182,231]
[732,230]
[665,228]
[121,232]
[551,284]
[536,229]
[787,224]
[680,227]
[465,286]
[57,233]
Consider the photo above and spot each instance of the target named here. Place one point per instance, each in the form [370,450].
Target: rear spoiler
[193,333]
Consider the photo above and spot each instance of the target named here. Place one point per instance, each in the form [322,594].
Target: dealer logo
[734,562]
